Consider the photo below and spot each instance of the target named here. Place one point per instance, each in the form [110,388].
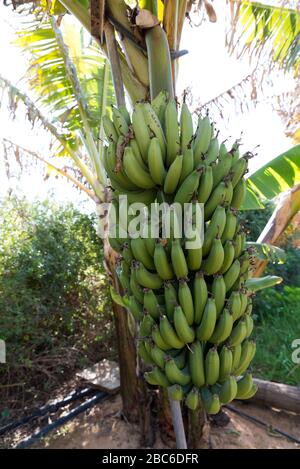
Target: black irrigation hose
[47,409]
[261,422]
[62,420]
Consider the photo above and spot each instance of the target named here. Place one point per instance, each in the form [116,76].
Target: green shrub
[277,326]
[55,311]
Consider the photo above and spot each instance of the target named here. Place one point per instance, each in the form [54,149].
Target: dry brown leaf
[146,20]
[210,11]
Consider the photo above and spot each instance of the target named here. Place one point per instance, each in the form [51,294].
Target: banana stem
[114,60]
[159,59]
[178,424]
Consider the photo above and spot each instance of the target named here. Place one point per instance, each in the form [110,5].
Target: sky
[207,71]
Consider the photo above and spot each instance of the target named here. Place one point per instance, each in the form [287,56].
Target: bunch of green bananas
[192,307]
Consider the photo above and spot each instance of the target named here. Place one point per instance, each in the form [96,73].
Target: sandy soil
[103,427]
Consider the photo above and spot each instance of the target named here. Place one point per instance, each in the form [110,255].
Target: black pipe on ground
[62,420]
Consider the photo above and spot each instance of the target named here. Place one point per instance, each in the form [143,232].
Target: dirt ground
[103,427]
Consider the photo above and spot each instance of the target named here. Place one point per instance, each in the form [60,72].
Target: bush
[277,328]
[277,310]
[54,299]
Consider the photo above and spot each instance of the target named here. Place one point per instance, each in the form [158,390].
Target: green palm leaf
[256,26]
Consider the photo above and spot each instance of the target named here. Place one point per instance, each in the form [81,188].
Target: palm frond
[64,83]
[257,28]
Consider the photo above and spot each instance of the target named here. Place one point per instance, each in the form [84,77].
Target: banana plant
[140,54]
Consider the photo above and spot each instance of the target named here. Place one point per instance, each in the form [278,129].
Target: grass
[277,326]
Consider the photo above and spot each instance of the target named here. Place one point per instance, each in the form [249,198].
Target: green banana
[124,281]
[147,279]
[175,375]
[244,300]
[223,328]
[186,128]
[234,305]
[247,353]
[141,131]
[189,186]
[212,152]
[158,356]
[215,227]
[115,244]
[170,299]
[187,164]
[185,333]
[159,104]
[216,198]
[123,110]
[238,333]
[158,340]
[145,197]
[230,226]
[228,256]
[226,363]
[156,162]
[224,152]
[186,301]
[162,265]
[136,150]
[168,333]
[221,169]
[244,386]
[236,356]
[239,194]
[249,325]
[119,122]
[150,245]
[213,263]
[218,290]
[211,402]
[232,274]
[238,170]
[245,262]
[135,308]
[154,126]
[228,390]
[251,393]
[200,296]
[135,288]
[127,253]
[235,152]
[175,392]
[228,194]
[109,129]
[151,304]
[142,352]
[135,171]
[178,260]
[202,138]
[156,377]
[239,242]
[196,364]
[173,175]
[146,325]
[192,399]
[208,321]
[172,131]
[212,366]
[194,258]
[205,185]
[141,254]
